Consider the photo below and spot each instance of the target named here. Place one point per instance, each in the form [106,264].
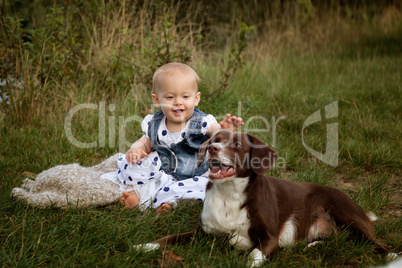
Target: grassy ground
[363,75]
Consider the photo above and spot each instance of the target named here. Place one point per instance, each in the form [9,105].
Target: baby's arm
[139,149]
[231,123]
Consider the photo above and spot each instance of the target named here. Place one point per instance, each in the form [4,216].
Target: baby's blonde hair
[171,69]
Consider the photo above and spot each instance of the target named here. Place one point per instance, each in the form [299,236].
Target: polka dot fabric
[185,189]
[137,174]
[170,139]
[153,186]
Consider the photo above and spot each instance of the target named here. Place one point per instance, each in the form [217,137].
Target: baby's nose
[178,101]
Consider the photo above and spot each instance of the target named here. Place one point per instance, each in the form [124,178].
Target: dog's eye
[238,144]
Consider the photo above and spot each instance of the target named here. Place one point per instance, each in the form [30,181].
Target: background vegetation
[278,58]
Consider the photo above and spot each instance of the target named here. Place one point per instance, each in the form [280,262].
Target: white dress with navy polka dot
[153,186]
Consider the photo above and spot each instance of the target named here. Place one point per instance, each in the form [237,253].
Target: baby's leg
[139,182]
[164,208]
[177,192]
[130,199]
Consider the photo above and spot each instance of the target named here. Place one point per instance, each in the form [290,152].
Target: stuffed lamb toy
[72,185]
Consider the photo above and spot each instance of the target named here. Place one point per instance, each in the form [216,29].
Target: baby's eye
[170,97]
[185,97]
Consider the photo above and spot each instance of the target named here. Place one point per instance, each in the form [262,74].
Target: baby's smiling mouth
[178,111]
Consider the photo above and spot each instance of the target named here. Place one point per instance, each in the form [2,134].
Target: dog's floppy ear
[203,152]
[262,156]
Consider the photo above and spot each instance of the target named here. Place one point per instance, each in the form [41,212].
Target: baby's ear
[197,98]
[156,100]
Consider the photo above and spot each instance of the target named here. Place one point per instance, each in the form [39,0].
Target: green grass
[364,76]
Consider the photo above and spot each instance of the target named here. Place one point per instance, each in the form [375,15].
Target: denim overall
[180,160]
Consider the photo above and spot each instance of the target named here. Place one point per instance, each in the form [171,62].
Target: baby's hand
[231,122]
[134,155]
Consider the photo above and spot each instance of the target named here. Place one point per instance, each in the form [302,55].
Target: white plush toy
[71,185]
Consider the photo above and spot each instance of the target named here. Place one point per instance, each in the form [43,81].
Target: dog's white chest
[222,212]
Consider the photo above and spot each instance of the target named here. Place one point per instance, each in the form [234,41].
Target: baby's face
[177,96]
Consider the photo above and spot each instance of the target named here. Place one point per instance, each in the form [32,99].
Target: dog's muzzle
[218,170]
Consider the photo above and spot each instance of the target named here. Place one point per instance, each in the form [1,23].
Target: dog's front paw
[147,247]
[256,258]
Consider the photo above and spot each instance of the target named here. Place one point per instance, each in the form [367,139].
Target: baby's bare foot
[130,199]
[164,208]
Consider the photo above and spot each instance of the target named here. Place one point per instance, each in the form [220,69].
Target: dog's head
[234,154]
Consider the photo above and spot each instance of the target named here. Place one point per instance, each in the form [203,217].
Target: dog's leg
[167,240]
[175,239]
[260,254]
[256,258]
[345,211]
[313,244]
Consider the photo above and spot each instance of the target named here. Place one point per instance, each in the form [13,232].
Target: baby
[161,167]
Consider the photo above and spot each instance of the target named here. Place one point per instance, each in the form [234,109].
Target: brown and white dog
[265,213]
